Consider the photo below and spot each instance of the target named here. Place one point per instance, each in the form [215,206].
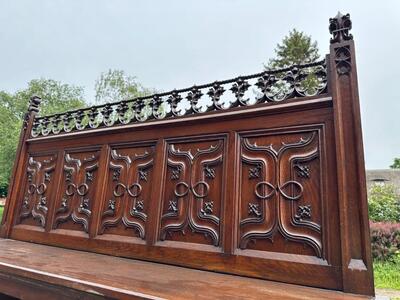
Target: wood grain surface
[71,272]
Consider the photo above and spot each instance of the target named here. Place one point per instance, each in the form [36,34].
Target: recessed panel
[193,192]
[38,191]
[74,209]
[129,185]
[280,193]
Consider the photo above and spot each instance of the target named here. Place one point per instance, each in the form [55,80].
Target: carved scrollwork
[122,110]
[127,201]
[340,27]
[265,195]
[279,196]
[79,178]
[268,86]
[36,194]
[194,96]
[156,107]
[173,100]
[191,206]
[94,117]
[239,88]
[108,115]
[215,92]
[138,108]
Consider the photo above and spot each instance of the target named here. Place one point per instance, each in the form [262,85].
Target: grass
[1,212]
[387,275]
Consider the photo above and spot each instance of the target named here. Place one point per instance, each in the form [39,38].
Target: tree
[296,48]
[396,163]
[115,85]
[56,97]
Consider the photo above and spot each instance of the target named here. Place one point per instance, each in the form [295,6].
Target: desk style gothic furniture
[259,176]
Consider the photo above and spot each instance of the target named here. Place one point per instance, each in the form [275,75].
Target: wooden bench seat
[271,187]
[56,273]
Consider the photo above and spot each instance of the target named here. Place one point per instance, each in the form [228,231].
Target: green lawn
[1,212]
[387,275]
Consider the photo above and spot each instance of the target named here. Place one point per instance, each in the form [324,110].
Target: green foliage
[115,85]
[387,274]
[383,203]
[56,97]
[396,163]
[296,48]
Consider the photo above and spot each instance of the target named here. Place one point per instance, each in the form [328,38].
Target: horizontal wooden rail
[57,274]
[270,186]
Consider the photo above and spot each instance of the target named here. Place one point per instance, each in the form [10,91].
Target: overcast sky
[174,44]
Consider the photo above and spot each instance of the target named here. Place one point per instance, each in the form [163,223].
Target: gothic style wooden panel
[193,191]
[39,189]
[130,173]
[281,193]
[259,175]
[74,208]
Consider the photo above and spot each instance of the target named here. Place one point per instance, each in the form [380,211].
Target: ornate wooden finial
[33,107]
[34,104]
[339,27]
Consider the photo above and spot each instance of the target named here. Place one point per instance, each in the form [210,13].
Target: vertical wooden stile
[355,239]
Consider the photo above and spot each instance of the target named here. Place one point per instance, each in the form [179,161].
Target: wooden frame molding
[269,185]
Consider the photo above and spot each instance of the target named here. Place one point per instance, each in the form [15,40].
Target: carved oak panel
[193,192]
[79,180]
[130,173]
[281,205]
[38,191]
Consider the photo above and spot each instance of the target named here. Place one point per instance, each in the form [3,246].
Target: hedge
[385,240]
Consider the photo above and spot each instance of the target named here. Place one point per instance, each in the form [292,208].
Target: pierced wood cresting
[259,176]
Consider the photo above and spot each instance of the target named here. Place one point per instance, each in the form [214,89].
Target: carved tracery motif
[343,60]
[193,200]
[340,27]
[37,195]
[267,86]
[277,203]
[80,176]
[127,197]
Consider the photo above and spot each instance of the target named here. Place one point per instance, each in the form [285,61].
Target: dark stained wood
[273,191]
[67,272]
[355,237]
[194,237]
[31,289]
